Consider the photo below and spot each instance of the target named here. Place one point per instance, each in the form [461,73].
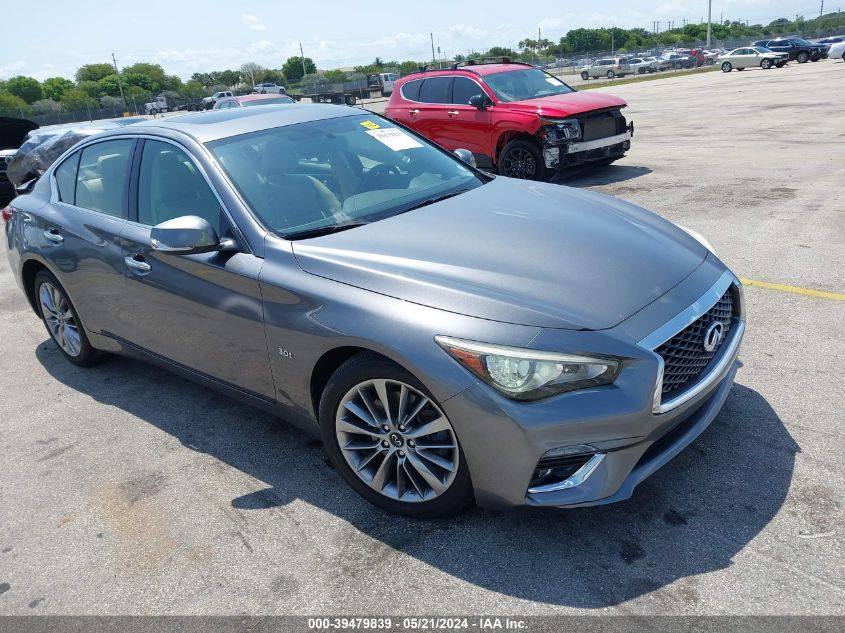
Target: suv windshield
[317,177]
[520,85]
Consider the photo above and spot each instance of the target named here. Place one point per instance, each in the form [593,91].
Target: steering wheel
[382,173]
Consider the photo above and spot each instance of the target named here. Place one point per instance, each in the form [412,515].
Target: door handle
[136,262]
[54,236]
[453,112]
[413,111]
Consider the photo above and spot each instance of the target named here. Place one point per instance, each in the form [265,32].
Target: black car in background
[797,48]
[12,133]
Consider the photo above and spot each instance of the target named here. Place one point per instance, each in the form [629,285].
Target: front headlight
[524,374]
[570,129]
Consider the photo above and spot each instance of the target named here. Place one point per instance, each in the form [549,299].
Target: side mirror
[480,102]
[466,156]
[187,235]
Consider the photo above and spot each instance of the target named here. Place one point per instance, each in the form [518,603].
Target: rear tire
[395,484]
[62,322]
[802,57]
[611,74]
[585,76]
[522,159]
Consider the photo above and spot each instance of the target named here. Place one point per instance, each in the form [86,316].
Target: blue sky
[187,37]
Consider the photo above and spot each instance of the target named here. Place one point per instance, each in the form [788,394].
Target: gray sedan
[451,335]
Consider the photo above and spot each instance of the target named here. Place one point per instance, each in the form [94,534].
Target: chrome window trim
[726,355]
[576,479]
[54,186]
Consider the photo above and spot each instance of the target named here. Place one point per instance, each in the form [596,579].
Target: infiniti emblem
[396,440]
[713,336]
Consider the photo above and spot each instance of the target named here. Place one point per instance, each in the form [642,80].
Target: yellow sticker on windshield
[370,125]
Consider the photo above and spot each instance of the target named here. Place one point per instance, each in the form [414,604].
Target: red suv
[512,117]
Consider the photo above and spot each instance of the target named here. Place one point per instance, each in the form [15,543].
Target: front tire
[726,67]
[522,159]
[62,322]
[765,64]
[390,440]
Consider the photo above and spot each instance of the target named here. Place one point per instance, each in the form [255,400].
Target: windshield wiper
[322,230]
[433,199]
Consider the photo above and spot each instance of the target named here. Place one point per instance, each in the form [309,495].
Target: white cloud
[252,22]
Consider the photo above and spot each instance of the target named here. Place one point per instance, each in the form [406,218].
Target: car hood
[517,252]
[566,104]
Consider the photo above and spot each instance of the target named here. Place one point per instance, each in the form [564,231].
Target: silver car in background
[449,334]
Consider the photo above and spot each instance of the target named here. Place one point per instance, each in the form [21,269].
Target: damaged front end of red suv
[592,137]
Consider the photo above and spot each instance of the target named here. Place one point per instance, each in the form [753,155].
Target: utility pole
[433,59]
[302,58]
[821,9]
[709,9]
[119,83]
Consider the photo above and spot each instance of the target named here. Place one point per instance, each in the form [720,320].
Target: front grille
[602,125]
[684,356]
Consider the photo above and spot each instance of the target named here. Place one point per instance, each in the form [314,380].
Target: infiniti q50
[451,335]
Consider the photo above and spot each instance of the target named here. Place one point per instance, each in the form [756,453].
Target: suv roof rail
[470,62]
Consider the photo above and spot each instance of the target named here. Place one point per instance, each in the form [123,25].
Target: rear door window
[436,90]
[102,179]
[66,178]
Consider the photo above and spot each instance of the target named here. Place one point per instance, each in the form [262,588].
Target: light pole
[709,8]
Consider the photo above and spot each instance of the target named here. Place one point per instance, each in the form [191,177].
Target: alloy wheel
[519,163]
[60,320]
[397,440]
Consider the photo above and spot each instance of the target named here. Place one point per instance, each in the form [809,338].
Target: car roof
[259,97]
[216,124]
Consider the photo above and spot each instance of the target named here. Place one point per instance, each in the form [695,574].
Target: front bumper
[563,154]
[504,440]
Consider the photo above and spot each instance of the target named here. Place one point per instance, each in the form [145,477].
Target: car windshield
[270,101]
[529,83]
[320,176]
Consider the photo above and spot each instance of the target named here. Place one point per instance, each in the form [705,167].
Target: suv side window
[170,185]
[102,180]
[411,90]
[66,178]
[463,89]
[436,90]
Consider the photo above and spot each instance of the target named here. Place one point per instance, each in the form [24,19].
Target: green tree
[228,78]
[91,88]
[46,106]
[193,89]
[293,68]
[108,101]
[26,88]
[335,76]
[54,87]
[500,51]
[93,72]
[109,86]
[13,105]
[77,99]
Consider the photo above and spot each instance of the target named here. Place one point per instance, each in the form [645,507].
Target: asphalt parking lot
[126,490]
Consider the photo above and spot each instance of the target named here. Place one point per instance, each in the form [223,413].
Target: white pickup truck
[208,102]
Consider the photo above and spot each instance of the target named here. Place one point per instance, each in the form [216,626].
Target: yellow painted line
[807,292]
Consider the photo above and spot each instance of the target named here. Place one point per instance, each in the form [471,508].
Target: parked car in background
[208,102]
[837,51]
[314,262]
[13,131]
[796,48]
[653,62]
[641,66]
[751,57]
[269,88]
[828,41]
[609,67]
[512,117]
[246,101]
[678,60]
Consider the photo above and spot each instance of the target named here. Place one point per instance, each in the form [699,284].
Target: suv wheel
[802,57]
[726,67]
[62,322]
[522,159]
[611,74]
[766,64]
[391,441]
